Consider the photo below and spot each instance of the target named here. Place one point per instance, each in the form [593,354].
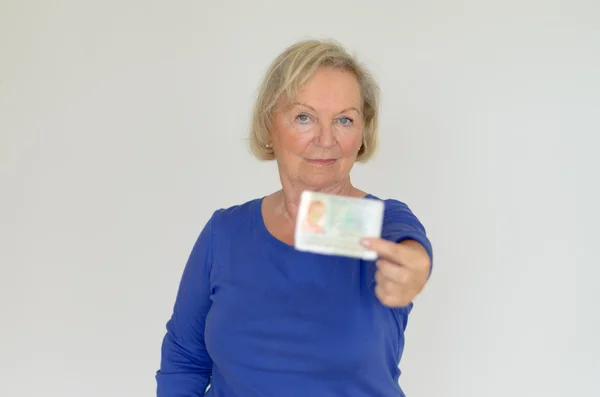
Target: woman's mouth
[321,162]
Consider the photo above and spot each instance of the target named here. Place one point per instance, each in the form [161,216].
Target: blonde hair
[291,69]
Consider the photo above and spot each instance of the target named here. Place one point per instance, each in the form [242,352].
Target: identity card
[334,225]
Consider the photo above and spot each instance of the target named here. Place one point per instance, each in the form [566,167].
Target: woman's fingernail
[365,242]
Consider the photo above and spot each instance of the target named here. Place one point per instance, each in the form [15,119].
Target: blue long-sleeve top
[255,317]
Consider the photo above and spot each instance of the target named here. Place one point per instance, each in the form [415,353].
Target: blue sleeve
[185,366]
[401,224]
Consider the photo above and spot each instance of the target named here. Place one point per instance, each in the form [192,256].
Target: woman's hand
[402,270]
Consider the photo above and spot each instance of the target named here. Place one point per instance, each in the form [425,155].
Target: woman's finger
[390,286]
[393,271]
[385,249]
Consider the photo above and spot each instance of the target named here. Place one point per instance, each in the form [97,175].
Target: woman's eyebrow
[314,110]
[350,108]
[305,105]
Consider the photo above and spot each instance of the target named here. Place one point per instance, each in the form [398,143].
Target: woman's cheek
[350,138]
[304,127]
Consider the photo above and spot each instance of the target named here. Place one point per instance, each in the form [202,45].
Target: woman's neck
[288,198]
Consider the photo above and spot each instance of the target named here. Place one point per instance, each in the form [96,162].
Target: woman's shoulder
[236,214]
[397,211]
[391,204]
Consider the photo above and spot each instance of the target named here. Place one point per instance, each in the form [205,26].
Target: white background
[123,126]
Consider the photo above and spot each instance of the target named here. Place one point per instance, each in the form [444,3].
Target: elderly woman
[254,316]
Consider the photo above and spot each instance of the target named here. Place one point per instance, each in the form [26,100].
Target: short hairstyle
[291,69]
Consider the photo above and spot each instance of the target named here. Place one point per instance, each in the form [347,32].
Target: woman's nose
[325,136]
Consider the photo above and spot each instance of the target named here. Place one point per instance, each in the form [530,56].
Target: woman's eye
[345,121]
[303,118]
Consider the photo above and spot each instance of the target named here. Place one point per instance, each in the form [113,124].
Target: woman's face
[316,212]
[317,136]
